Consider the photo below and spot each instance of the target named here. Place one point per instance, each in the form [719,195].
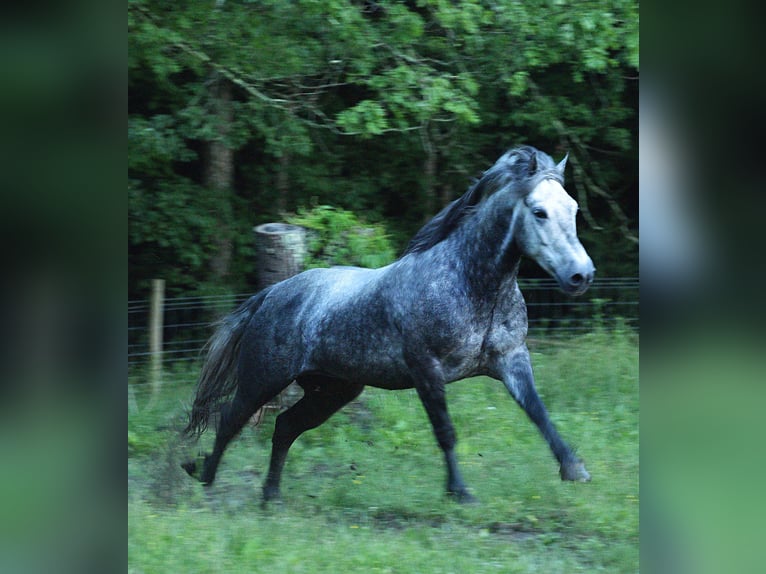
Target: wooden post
[132,404]
[155,335]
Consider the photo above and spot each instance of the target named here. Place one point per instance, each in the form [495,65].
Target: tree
[243,110]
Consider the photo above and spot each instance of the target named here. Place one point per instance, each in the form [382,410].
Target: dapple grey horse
[448,309]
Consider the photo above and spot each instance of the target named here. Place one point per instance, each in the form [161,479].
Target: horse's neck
[490,263]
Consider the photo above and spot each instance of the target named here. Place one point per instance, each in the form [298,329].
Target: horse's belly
[382,376]
[375,363]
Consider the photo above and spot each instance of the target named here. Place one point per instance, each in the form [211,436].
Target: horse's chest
[507,326]
[463,358]
[464,340]
[505,334]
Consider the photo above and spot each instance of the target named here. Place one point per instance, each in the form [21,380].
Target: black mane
[518,167]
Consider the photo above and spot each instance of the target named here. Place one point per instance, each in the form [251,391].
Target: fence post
[156,318]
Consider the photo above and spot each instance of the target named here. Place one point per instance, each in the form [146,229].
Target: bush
[338,237]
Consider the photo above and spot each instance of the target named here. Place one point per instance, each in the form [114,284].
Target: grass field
[364,492]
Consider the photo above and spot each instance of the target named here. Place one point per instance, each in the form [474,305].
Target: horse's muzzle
[577,281]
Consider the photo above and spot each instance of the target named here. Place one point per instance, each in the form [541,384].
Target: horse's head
[545,229]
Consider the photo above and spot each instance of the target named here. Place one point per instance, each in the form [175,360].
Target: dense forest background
[246,112]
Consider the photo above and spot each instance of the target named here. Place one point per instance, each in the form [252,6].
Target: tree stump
[280,253]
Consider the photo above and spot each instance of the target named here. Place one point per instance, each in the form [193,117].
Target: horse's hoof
[271,494]
[463,497]
[467,498]
[574,471]
[194,469]
[190,467]
[273,504]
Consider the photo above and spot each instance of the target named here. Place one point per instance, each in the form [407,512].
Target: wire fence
[610,303]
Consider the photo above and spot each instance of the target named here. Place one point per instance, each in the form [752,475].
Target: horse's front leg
[515,370]
[430,387]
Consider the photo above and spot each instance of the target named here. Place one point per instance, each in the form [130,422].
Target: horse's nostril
[576,279]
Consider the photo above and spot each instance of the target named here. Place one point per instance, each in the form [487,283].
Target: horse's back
[307,319]
[352,330]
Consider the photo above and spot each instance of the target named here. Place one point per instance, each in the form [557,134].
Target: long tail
[218,379]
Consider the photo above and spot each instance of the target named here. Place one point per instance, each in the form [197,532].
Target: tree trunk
[219,175]
[446,195]
[283,182]
[429,168]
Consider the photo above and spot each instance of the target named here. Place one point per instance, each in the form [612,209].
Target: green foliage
[338,237]
[367,117]
[171,229]
[344,101]
[144,441]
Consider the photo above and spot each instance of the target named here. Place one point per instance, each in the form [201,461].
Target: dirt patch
[392,520]
[513,530]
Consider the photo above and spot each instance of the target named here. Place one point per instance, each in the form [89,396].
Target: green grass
[364,492]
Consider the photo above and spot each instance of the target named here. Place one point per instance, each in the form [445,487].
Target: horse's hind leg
[322,397]
[233,417]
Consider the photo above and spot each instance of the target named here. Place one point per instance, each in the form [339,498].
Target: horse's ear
[532,168]
[562,165]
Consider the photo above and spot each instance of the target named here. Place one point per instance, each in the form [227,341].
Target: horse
[449,308]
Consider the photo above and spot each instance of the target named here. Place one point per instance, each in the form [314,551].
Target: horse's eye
[540,213]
